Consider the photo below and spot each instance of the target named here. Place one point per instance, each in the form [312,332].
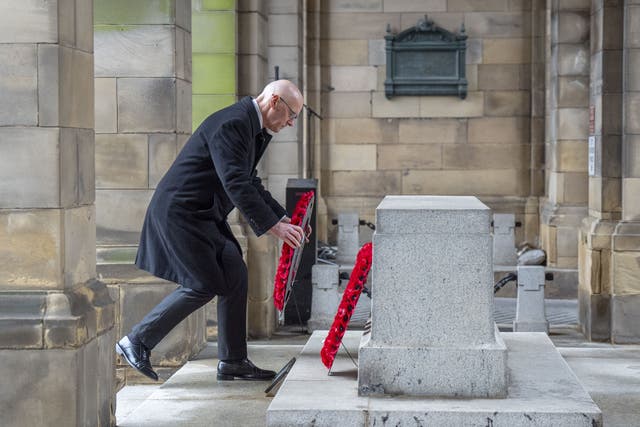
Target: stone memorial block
[504,241]
[433,332]
[530,311]
[348,238]
[325,295]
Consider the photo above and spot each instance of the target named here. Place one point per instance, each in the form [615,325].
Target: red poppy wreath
[347,305]
[286,267]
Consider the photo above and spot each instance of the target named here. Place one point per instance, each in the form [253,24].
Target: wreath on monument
[350,298]
[290,257]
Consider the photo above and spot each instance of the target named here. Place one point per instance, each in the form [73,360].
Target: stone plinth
[325,297]
[542,392]
[530,310]
[504,240]
[348,238]
[433,332]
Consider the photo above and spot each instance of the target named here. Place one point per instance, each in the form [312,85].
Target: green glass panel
[213,32]
[115,255]
[204,105]
[219,4]
[214,73]
[133,12]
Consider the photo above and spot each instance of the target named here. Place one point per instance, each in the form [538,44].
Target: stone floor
[193,397]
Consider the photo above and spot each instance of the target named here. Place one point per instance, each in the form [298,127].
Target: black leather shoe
[137,356]
[243,370]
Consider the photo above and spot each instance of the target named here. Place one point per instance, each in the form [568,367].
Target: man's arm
[266,196]
[229,152]
[290,234]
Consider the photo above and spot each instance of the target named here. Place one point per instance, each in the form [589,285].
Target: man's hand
[291,234]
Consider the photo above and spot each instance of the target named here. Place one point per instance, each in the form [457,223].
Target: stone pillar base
[262,259]
[594,315]
[543,391]
[136,293]
[594,279]
[57,357]
[559,226]
[474,371]
[625,295]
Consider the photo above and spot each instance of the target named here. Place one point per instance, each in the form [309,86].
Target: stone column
[215,86]
[269,34]
[604,161]
[566,130]
[56,320]
[312,50]
[437,250]
[536,134]
[143,118]
[261,254]
[625,242]
[283,159]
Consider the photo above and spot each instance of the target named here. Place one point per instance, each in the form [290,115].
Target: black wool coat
[185,232]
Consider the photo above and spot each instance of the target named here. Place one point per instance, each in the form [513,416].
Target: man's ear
[273,101]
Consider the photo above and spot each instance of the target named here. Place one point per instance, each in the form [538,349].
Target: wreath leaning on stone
[347,305]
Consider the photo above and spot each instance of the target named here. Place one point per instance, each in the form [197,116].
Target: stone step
[543,391]
[194,397]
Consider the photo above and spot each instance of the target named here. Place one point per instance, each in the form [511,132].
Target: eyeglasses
[292,114]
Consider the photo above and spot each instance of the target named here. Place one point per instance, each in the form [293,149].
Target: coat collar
[247,103]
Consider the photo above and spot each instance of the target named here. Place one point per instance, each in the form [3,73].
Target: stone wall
[143,117]
[215,33]
[481,145]
[214,48]
[56,320]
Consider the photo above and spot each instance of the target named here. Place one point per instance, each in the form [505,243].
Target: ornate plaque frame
[426,60]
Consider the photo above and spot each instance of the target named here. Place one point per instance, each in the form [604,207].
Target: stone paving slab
[194,397]
[543,391]
[612,378]
[609,373]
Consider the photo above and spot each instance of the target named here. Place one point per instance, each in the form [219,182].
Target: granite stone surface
[543,391]
[473,371]
[504,246]
[530,310]
[432,303]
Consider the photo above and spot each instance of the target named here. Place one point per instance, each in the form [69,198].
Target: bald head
[284,88]
[280,103]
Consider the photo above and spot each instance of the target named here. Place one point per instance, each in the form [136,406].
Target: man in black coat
[186,238]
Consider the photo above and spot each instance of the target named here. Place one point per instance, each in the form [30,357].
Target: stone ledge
[446,215]
[626,236]
[473,371]
[118,273]
[543,391]
[55,320]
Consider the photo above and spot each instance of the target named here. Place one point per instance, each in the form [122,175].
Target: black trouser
[232,318]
